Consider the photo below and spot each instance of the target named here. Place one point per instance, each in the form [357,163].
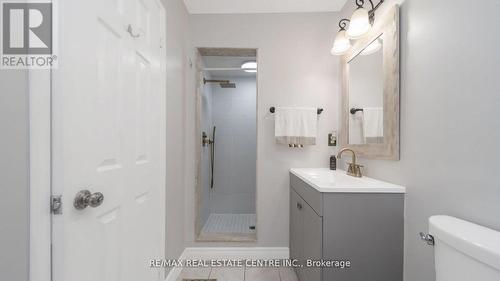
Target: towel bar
[273,109]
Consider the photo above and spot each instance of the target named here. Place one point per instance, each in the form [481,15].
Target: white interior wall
[180,80]
[449,119]
[295,69]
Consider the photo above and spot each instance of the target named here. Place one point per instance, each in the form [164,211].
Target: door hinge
[56,204]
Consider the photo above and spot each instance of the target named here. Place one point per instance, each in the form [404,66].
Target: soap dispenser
[333,163]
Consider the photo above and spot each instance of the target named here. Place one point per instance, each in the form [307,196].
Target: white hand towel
[296,125]
[373,122]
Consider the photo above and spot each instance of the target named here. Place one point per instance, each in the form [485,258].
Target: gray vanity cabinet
[306,236]
[364,228]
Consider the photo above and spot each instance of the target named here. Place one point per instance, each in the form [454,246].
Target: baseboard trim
[237,253]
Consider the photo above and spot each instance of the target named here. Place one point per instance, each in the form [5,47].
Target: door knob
[96,199]
[85,198]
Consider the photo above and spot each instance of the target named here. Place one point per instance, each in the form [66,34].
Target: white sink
[325,180]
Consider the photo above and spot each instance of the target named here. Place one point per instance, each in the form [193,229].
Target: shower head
[222,83]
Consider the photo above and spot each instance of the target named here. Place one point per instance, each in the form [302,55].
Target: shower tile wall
[206,104]
[234,114]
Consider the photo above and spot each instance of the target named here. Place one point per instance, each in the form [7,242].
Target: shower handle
[212,159]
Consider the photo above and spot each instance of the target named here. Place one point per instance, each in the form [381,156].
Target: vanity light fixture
[341,44]
[249,66]
[359,25]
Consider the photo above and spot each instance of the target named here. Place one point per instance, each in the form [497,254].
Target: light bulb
[341,44]
[359,24]
[372,48]
[249,66]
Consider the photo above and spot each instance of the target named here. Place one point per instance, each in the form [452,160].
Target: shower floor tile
[230,223]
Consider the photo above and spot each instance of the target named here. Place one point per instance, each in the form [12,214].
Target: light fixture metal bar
[360,4]
[374,8]
[343,23]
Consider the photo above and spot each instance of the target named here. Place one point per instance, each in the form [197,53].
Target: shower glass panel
[226,193]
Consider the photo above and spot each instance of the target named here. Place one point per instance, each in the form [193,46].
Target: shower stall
[226,189]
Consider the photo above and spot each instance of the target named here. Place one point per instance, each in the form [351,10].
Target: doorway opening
[227,148]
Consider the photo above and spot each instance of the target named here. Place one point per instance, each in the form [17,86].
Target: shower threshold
[229,227]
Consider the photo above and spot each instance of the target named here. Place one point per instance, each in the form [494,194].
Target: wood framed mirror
[370,91]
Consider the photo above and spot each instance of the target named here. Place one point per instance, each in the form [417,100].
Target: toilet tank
[464,251]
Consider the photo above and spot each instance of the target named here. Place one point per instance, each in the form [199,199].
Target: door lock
[85,198]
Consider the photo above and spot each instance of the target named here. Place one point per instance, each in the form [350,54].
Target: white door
[108,136]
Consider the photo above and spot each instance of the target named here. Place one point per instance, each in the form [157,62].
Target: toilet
[464,251]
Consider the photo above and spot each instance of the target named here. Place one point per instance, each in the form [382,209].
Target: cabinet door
[313,242]
[296,230]
[368,230]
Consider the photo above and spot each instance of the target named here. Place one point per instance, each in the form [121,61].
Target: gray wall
[178,75]
[295,69]
[234,114]
[14,207]
[450,97]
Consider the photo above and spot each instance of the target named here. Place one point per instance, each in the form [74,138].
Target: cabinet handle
[299,206]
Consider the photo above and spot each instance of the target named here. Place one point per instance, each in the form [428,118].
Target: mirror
[366,95]
[370,91]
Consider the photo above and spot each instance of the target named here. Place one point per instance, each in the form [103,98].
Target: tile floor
[239,274]
[229,223]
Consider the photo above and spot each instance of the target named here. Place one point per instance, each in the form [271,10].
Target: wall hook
[131,32]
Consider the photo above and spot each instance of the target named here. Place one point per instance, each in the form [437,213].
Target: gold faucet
[353,168]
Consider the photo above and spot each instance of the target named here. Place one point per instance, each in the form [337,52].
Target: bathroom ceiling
[262,6]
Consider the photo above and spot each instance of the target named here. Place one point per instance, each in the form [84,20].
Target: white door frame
[40,170]
[40,166]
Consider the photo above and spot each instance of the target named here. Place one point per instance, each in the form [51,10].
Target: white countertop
[325,180]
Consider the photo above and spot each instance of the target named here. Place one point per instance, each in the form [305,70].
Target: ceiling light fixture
[249,66]
[359,25]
